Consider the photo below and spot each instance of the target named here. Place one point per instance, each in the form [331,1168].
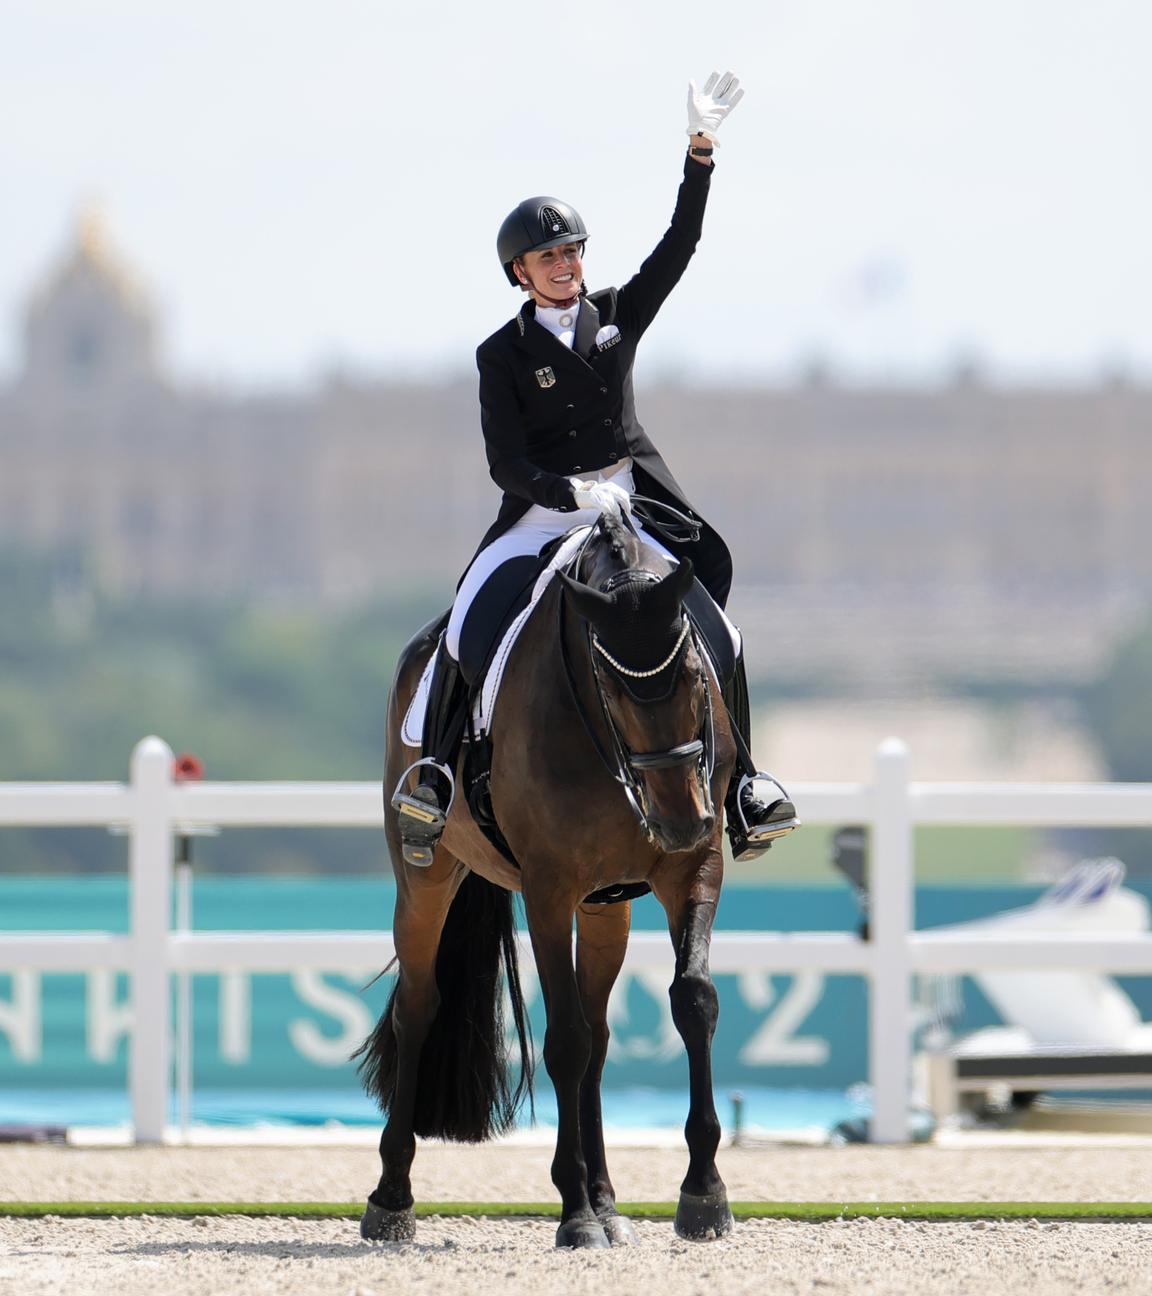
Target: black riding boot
[757,809]
[423,812]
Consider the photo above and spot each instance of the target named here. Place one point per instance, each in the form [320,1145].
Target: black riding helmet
[536,224]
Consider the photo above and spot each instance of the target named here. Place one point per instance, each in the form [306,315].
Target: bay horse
[612,750]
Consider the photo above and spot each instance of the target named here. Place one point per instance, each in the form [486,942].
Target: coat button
[607,422]
[571,432]
[577,468]
[603,392]
[613,456]
[570,406]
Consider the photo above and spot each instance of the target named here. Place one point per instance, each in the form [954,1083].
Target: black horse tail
[463,1091]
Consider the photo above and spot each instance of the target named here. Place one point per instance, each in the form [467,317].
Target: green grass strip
[942,1211]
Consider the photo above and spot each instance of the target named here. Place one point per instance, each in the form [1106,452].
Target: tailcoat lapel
[587,326]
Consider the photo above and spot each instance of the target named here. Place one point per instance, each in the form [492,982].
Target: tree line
[264,691]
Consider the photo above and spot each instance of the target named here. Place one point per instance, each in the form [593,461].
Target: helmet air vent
[553,223]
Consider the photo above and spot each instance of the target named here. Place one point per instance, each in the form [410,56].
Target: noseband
[626,766]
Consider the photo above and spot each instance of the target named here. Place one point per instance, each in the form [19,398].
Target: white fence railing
[151,808]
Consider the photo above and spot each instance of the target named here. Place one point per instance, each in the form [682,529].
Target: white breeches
[529,535]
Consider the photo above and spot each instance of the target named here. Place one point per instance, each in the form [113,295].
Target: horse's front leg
[601,942]
[690,903]
[421,908]
[567,1049]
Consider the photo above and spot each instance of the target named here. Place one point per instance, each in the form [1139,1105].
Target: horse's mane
[614,549]
[619,538]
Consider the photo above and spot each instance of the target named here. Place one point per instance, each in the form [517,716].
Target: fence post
[890,1006]
[150,880]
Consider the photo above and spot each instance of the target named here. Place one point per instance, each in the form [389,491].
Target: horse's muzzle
[674,836]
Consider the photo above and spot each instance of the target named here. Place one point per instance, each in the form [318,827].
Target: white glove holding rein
[707,108]
[605,496]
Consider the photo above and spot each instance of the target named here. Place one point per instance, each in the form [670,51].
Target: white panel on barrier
[151,806]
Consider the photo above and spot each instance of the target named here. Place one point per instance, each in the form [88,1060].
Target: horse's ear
[675,586]
[588,602]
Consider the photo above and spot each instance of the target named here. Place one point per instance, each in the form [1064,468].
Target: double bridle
[626,766]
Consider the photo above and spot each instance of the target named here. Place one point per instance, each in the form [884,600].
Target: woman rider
[562,439]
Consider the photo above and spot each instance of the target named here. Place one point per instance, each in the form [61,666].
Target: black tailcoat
[549,412]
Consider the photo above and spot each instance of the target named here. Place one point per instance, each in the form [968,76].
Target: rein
[675,525]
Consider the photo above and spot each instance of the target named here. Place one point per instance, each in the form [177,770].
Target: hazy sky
[303,186]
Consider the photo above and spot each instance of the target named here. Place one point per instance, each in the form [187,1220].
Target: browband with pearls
[635,674]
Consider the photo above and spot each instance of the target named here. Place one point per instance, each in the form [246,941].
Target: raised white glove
[605,496]
[707,108]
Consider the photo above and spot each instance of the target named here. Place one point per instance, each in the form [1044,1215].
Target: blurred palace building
[965,531]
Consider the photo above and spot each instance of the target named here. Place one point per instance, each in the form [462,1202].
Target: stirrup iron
[750,840]
[421,819]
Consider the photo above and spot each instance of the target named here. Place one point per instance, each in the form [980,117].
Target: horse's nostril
[707,824]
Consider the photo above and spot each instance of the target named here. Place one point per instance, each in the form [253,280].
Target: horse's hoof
[699,1219]
[582,1233]
[618,1229]
[380,1225]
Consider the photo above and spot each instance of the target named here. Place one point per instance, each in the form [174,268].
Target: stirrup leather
[781,821]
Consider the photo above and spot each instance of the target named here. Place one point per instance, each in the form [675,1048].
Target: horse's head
[651,681]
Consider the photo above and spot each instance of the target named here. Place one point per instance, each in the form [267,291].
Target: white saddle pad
[485,706]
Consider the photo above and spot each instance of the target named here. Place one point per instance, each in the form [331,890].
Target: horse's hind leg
[690,904]
[601,940]
[421,908]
